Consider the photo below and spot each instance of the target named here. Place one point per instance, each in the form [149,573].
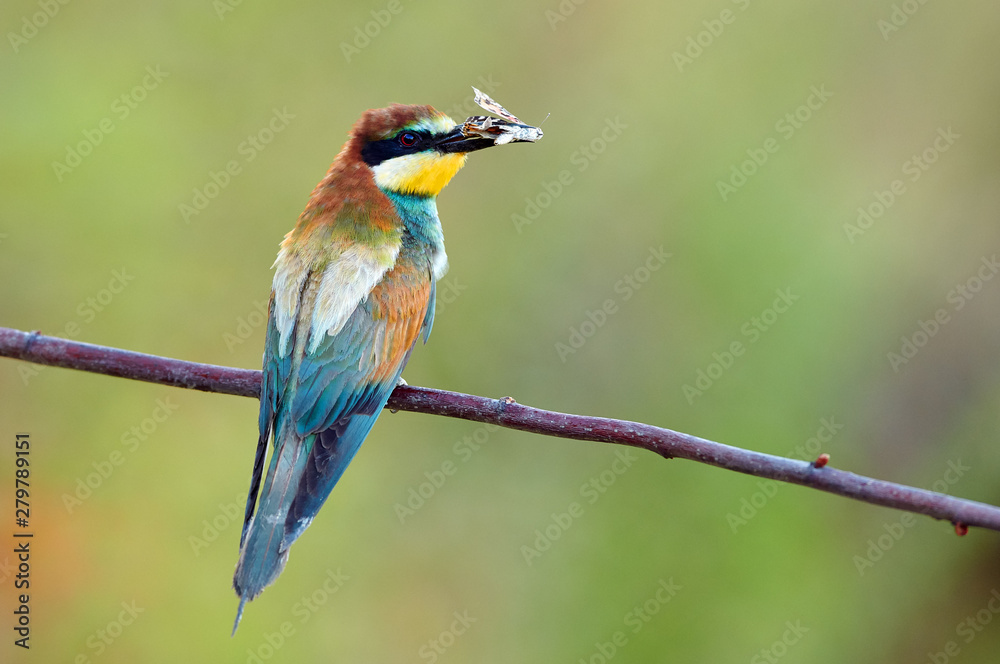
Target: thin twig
[39,349]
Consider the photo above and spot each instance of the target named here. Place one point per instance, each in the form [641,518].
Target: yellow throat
[424,173]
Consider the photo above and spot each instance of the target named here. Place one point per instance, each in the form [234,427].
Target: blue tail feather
[262,556]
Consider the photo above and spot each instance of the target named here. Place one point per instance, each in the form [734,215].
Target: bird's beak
[457,141]
[480,132]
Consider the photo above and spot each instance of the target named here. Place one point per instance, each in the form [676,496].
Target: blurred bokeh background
[703,165]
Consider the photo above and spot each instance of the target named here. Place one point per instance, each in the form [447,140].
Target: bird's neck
[420,217]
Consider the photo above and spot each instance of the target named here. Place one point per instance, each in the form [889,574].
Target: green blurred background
[159,531]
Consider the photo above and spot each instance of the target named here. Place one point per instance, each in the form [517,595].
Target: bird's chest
[424,240]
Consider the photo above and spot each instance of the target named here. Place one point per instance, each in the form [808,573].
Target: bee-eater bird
[353,291]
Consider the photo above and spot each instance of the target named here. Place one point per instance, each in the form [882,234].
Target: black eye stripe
[375,152]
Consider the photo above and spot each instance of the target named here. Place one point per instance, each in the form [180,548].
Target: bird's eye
[407,139]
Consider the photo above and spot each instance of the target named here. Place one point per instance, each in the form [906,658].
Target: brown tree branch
[39,349]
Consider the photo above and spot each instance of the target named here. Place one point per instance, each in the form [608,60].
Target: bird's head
[412,150]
